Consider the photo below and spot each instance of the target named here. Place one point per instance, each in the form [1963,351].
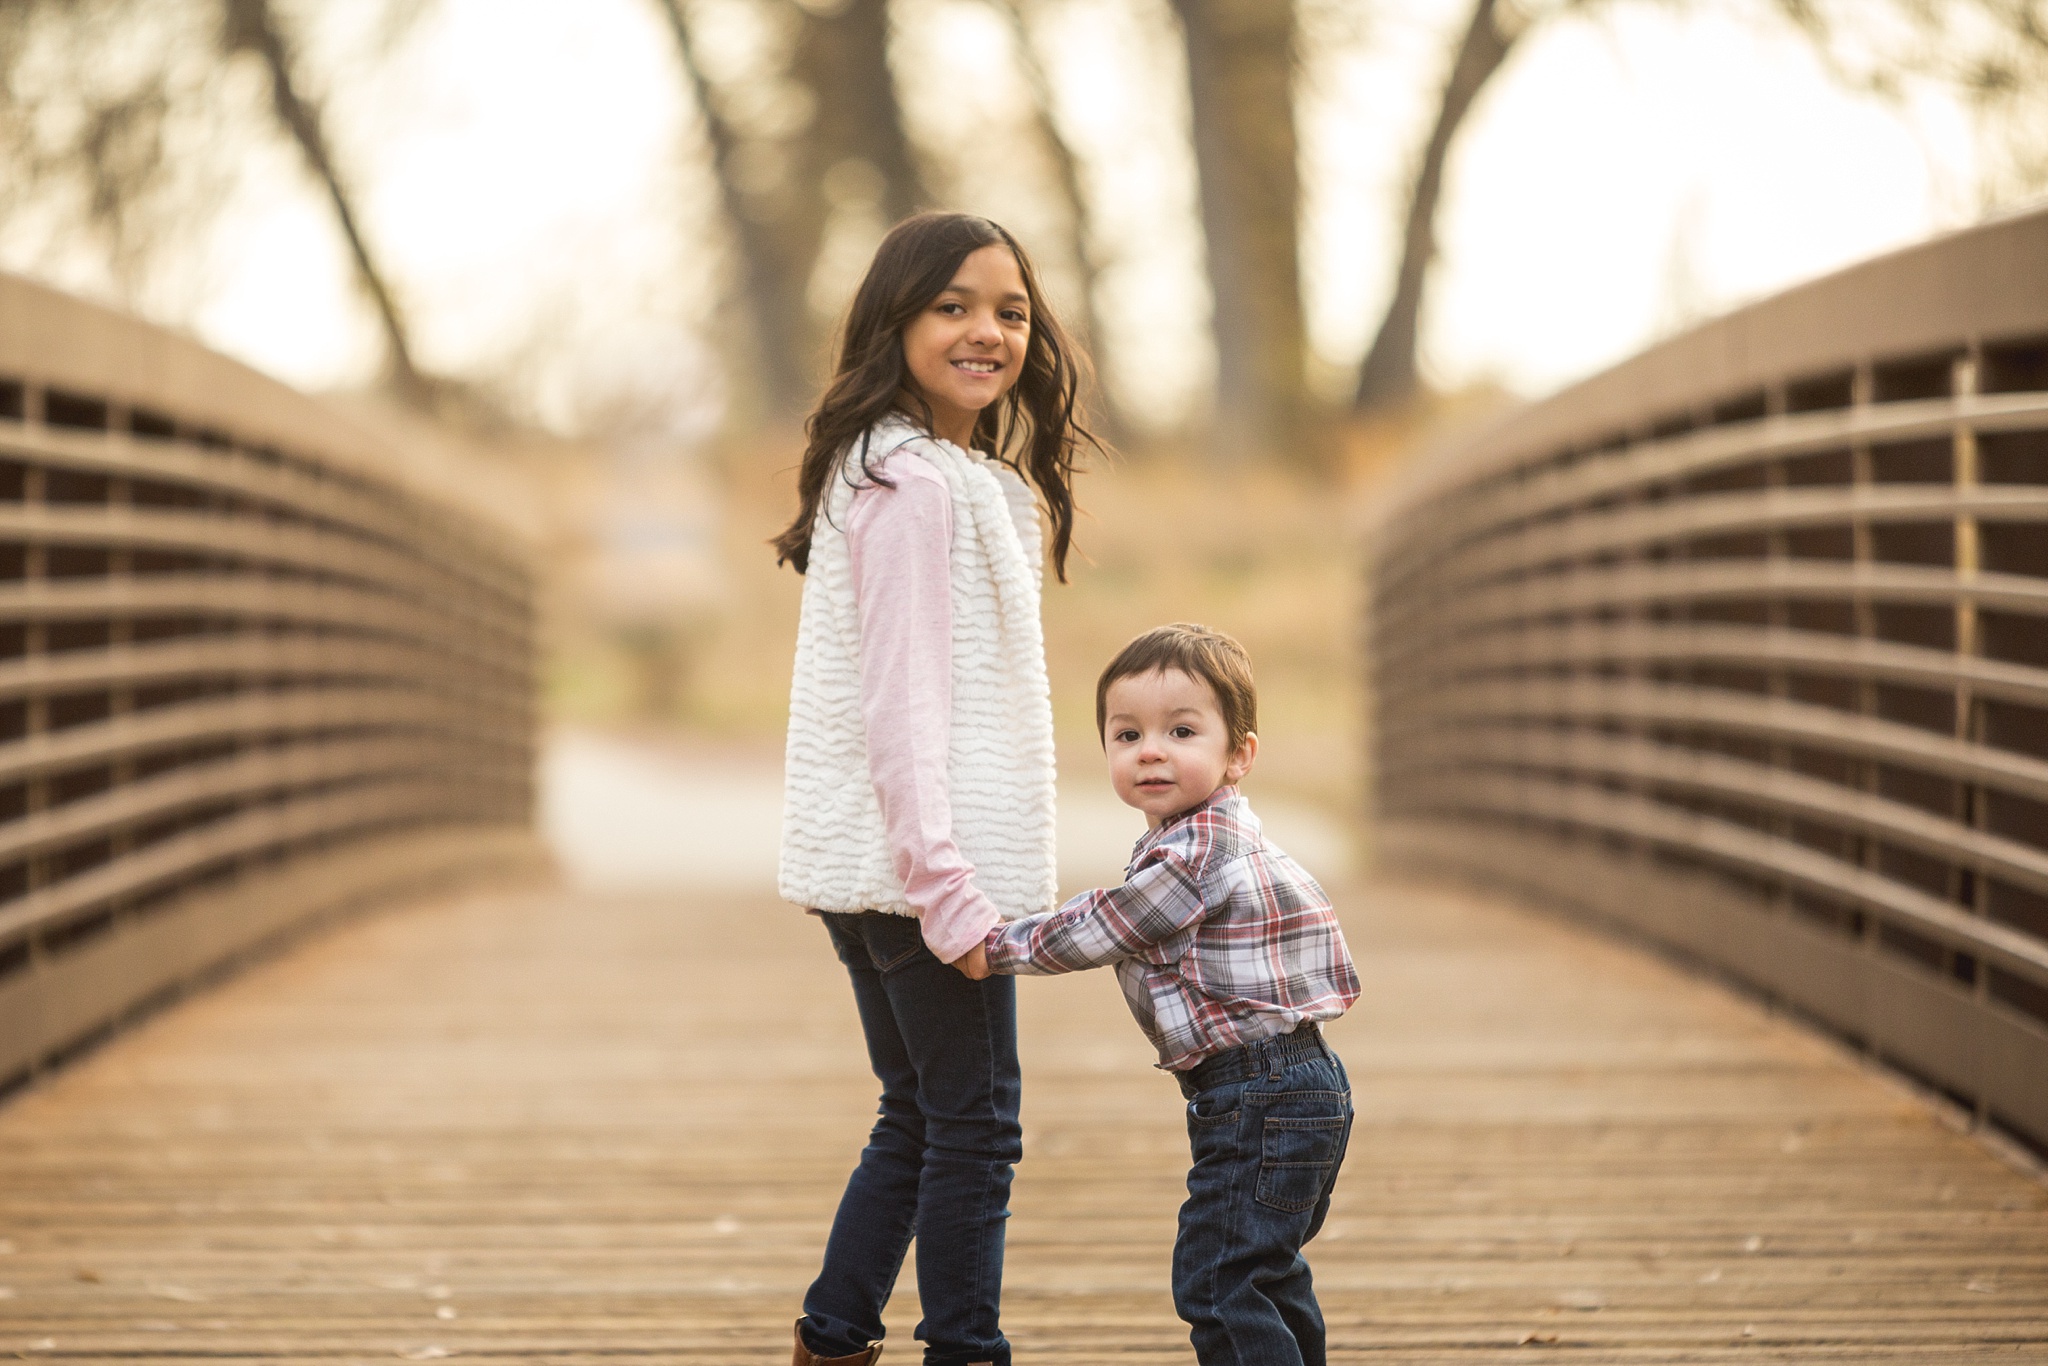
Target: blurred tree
[1066,165]
[1388,375]
[84,162]
[837,140]
[252,26]
[114,121]
[1994,52]
[776,345]
[1241,61]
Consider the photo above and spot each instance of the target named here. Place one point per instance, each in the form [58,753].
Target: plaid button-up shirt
[1218,938]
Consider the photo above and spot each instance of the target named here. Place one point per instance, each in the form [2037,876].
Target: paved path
[569,1125]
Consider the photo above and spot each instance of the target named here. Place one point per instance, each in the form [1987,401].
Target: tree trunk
[251,26]
[1065,165]
[843,58]
[778,335]
[1389,376]
[1240,56]
[781,207]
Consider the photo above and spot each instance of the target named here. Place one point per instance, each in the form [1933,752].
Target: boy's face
[1168,747]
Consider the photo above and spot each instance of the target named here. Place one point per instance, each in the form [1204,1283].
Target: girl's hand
[974,963]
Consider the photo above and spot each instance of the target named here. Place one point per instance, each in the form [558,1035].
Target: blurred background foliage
[640,361]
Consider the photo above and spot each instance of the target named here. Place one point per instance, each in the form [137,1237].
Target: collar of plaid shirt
[1151,838]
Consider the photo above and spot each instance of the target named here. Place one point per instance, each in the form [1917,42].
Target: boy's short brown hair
[1208,656]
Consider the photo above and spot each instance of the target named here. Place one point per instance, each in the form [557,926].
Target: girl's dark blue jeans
[1267,1125]
[937,1165]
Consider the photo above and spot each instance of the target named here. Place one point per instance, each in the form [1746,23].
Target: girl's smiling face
[965,350]
[1167,744]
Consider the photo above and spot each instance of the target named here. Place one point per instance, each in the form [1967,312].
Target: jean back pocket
[1298,1159]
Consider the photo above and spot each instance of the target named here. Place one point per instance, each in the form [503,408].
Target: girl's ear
[1241,759]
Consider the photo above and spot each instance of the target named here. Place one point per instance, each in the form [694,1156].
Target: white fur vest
[835,856]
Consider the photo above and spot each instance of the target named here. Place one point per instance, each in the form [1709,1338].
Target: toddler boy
[1229,954]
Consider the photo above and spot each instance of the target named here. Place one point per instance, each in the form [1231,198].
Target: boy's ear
[1241,760]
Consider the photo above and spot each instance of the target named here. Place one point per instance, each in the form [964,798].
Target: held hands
[973,963]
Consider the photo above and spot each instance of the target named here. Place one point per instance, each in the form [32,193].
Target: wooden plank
[590,1130]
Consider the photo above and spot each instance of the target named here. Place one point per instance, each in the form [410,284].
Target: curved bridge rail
[1744,645]
[247,676]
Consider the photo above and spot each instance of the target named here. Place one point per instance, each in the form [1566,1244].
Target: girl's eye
[1183,732]
[949,307]
[1012,315]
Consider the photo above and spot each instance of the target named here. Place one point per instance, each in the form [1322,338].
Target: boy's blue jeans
[1267,1123]
[938,1160]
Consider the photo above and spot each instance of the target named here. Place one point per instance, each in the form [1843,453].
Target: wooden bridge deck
[553,1127]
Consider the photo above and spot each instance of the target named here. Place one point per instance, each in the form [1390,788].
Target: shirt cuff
[957,928]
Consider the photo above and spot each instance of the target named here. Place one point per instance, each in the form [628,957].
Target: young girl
[918,807]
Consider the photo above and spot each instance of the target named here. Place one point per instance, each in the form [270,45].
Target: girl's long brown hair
[1036,428]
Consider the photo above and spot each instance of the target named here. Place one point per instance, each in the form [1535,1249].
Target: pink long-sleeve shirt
[899,540]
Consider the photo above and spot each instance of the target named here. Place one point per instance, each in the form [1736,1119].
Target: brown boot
[806,1357]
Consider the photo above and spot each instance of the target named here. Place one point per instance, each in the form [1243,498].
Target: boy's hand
[974,962]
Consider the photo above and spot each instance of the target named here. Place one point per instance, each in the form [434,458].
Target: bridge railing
[249,672]
[1743,645]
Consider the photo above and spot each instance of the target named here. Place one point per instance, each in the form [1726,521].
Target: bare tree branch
[1992,52]
[83,141]
[251,26]
[1066,166]
[775,329]
[1389,376]
[778,189]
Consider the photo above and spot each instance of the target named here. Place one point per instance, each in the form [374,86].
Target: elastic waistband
[1249,1060]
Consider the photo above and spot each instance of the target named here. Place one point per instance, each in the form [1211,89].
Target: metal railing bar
[323,657]
[258,718]
[1762,647]
[1583,588]
[1497,509]
[1625,529]
[440,538]
[1826,803]
[271,771]
[215,595]
[210,533]
[1773,718]
[239,836]
[1599,811]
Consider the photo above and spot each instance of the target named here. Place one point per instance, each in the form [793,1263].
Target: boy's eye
[1125,737]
